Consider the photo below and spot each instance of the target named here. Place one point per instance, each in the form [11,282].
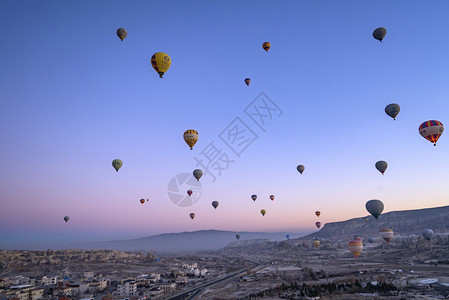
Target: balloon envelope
[316,243]
[266,46]
[117,164]
[191,137]
[318,224]
[192,215]
[427,234]
[381,166]
[254,197]
[160,62]
[189,192]
[197,173]
[215,204]
[67,218]
[356,247]
[317,213]
[272,197]
[431,130]
[142,201]
[263,212]
[247,81]
[300,168]
[375,207]
[122,33]
[392,110]
[379,33]
[386,234]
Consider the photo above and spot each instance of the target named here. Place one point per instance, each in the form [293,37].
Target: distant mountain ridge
[180,242]
[404,222]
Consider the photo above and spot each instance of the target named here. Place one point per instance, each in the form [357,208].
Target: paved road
[190,294]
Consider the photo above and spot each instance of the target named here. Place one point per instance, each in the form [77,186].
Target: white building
[127,288]
[49,280]
[192,266]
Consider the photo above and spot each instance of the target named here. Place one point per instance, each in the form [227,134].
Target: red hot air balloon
[189,192]
[142,201]
[317,213]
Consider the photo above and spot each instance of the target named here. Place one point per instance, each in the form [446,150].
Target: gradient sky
[73,98]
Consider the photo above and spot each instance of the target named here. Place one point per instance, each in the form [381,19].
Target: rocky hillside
[405,222]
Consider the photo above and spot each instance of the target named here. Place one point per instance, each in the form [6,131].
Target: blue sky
[74,98]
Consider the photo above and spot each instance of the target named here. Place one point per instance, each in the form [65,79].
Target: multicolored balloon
[431,130]
[266,46]
[318,213]
[191,137]
[386,234]
[160,62]
[247,81]
[189,192]
[142,201]
[316,243]
[356,247]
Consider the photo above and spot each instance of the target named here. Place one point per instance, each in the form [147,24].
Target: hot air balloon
[189,192]
[381,166]
[266,46]
[356,247]
[300,168]
[272,197]
[318,213]
[122,33]
[427,234]
[215,204]
[316,243]
[386,234]
[371,239]
[287,236]
[161,63]
[142,201]
[192,215]
[392,110]
[357,238]
[318,224]
[237,236]
[374,207]
[431,130]
[66,218]
[197,173]
[254,197]
[117,164]
[247,81]
[379,33]
[263,212]
[191,136]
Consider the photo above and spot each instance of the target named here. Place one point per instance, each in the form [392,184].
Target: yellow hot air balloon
[316,243]
[191,136]
[263,212]
[161,62]
[266,46]
[356,247]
